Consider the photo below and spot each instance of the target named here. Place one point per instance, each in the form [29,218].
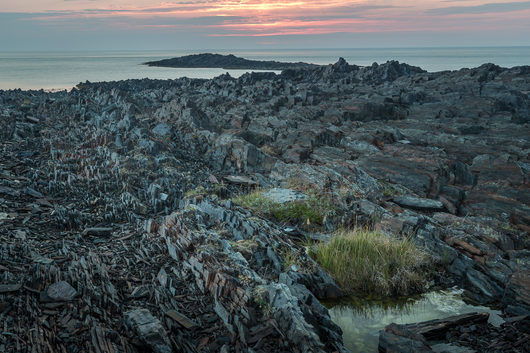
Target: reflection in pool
[361,319]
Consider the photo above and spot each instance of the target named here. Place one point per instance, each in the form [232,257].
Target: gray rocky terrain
[118,232]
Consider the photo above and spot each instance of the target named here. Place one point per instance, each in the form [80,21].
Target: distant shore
[64,70]
[227,62]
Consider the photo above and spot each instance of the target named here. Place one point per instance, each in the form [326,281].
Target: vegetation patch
[371,263]
[198,191]
[309,214]
[261,298]
[388,190]
[245,247]
[290,258]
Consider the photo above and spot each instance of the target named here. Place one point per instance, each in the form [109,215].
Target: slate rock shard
[181,319]
[99,231]
[149,330]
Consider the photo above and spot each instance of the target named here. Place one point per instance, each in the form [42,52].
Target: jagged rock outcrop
[122,191]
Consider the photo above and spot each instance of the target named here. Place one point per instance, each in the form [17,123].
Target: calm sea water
[361,319]
[63,70]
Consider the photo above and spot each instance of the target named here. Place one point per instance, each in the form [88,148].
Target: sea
[64,70]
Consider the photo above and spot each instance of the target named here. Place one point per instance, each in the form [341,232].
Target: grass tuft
[290,257]
[369,262]
[198,191]
[308,214]
[261,298]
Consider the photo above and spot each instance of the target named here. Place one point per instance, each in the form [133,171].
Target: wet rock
[400,340]
[417,337]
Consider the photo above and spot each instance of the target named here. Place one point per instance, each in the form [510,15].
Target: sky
[27,25]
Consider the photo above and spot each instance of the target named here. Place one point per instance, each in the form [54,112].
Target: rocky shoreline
[119,233]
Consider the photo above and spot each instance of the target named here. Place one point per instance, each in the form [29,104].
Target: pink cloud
[283,17]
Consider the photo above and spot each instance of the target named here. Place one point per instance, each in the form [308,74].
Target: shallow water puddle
[361,319]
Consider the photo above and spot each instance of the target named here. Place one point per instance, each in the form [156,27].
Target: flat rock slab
[240,180]
[6,288]
[414,338]
[149,330]
[436,329]
[280,195]
[397,339]
[61,291]
[419,203]
[97,232]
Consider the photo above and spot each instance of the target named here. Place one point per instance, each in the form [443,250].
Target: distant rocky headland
[180,215]
[227,62]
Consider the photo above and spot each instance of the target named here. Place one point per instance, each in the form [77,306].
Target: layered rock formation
[95,199]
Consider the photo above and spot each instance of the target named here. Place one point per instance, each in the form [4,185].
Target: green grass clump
[200,190]
[369,262]
[290,257]
[261,298]
[299,212]
[255,201]
[387,189]
[309,214]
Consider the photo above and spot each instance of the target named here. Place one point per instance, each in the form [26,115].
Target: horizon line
[263,49]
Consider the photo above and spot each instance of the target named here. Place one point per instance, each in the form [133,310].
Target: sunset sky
[217,24]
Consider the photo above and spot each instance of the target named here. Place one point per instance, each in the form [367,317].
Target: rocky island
[227,62]
[133,219]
